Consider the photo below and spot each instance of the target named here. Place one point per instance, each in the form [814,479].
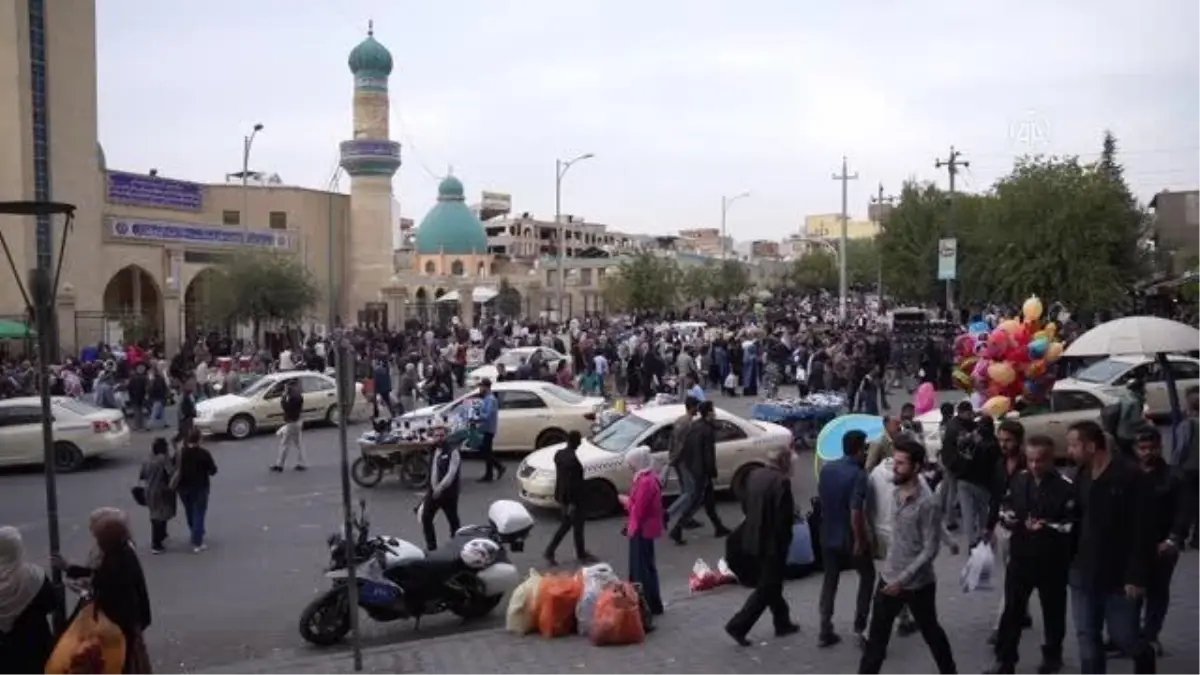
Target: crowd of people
[1105,535]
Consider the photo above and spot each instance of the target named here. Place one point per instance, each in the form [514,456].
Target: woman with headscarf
[160,498]
[117,584]
[645,525]
[26,599]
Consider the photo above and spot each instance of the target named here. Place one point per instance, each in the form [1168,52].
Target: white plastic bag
[521,617]
[595,579]
[977,573]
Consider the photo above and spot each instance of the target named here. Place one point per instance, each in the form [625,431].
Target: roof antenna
[370,28]
[450,170]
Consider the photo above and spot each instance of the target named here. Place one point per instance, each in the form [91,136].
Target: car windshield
[78,407]
[1103,372]
[620,435]
[513,359]
[258,387]
[565,395]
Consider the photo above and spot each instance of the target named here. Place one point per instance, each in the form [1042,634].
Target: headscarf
[110,527]
[639,459]
[20,581]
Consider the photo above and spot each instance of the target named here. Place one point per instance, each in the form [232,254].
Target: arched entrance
[444,310]
[197,303]
[133,306]
[421,299]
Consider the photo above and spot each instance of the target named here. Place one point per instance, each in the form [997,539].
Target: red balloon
[1018,356]
[1023,336]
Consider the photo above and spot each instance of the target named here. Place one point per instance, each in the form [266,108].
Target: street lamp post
[44,289]
[727,202]
[560,170]
[334,291]
[247,142]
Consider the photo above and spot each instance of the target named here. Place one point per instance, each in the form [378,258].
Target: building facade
[1177,226]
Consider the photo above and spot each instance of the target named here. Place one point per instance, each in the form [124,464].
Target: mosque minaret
[371,159]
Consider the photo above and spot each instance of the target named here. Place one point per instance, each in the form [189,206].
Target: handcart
[409,460]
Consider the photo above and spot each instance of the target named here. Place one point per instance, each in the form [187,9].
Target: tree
[814,271]
[696,283]
[508,300]
[643,282]
[731,280]
[862,263]
[261,286]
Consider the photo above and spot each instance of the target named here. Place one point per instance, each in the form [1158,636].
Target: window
[18,415]
[1073,401]
[456,268]
[620,435]
[430,268]
[278,220]
[728,431]
[585,277]
[565,395]
[276,390]
[513,399]
[1185,370]
[310,385]
[231,217]
[80,408]
[660,440]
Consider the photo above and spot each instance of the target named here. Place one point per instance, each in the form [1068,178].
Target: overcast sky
[682,101]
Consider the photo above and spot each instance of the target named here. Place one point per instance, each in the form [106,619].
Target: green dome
[371,57]
[450,227]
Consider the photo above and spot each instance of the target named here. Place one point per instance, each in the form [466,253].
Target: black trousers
[767,594]
[158,534]
[572,519]
[834,561]
[447,504]
[1020,581]
[704,496]
[491,466]
[185,428]
[923,604]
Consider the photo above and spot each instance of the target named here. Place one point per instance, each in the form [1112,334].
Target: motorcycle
[468,576]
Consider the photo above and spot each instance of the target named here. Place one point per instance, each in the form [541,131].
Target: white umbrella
[1136,335]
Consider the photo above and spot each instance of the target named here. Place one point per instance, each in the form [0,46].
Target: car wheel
[599,499]
[331,416]
[67,457]
[550,437]
[241,427]
[738,484]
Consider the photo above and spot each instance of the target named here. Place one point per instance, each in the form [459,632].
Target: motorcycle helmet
[479,553]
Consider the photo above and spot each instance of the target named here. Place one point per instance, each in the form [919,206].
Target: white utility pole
[845,177]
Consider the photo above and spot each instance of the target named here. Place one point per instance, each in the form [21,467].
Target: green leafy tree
[696,283]
[642,283]
[814,271]
[508,299]
[731,280]
[862,263]
[261,286]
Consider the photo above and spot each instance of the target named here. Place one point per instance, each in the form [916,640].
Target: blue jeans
[974,502]
[195,509]
[687,494]
[156,411]
[644,571]
[1092,611]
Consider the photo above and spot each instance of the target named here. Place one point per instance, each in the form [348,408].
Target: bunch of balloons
[1010,362]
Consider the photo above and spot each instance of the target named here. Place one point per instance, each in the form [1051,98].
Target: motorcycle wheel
[366,473]
[478,606]
[325,621]
[414,470]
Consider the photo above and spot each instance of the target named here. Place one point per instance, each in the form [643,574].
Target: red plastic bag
[556,599]
[618,619]
[704,577]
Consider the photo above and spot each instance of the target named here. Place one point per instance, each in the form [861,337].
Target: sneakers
[277,469]
[200,548]
[158,551]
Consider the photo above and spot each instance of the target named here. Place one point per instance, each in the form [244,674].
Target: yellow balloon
[996,406]
[1010,326]
[1055,352]
[1032,309]
[1001,373]
[1051,329]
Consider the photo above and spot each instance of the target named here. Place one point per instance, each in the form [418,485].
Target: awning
[15,330]
[478,294]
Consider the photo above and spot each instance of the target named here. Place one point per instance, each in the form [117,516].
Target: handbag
[92,643]
[138,492]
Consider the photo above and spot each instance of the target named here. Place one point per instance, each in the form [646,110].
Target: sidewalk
[690,639]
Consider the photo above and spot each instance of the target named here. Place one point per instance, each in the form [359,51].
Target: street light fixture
[727,202]
[560,170]
[247,142]
[41,308]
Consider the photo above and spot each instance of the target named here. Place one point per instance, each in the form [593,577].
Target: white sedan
[533,414]
[1112,375]
[257,408]
[742,445]
[81,430]
[512,360]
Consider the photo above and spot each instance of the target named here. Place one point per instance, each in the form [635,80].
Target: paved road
[241,599]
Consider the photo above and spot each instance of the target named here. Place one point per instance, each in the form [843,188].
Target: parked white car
[81,430]
[1112,375]
[533,414]
[257,408]
[512,360]
[742,445]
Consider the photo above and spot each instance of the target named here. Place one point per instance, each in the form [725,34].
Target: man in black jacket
[292,406]
[767,536]
[1038,508]
[1115,549]
[569,492]
[136,389]
[1170,521]
[699,459]
[963,422]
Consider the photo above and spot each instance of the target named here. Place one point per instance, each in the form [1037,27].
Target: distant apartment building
[764,249]
[1177,225]
[829,226]
[527,237]
[705,241]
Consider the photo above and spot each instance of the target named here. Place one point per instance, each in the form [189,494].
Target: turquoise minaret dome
[450,227]
[370,58]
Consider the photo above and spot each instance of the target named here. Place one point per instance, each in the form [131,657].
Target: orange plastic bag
[91,644]
[618,619]
[556,600]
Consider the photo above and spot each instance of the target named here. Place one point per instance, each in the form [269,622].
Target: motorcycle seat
[424,572]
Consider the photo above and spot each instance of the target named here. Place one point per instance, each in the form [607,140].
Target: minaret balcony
[370,157]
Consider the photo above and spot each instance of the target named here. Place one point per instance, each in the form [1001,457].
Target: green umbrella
[15,330]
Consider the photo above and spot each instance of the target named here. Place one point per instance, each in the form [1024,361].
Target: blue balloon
[1038,348]
[979,327]
[829,441]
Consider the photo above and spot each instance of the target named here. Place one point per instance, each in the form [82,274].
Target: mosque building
[139,258]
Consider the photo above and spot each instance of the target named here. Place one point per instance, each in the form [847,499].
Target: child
[730,386]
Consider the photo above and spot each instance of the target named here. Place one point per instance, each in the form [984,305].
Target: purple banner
[151,191]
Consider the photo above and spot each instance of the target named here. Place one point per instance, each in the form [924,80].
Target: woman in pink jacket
[645,525]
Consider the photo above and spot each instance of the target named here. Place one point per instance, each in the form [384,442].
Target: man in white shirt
[880,490]
[286,362]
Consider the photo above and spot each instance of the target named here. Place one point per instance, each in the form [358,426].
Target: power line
[412,146]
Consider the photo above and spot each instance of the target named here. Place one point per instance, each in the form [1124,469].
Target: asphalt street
[240,600]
